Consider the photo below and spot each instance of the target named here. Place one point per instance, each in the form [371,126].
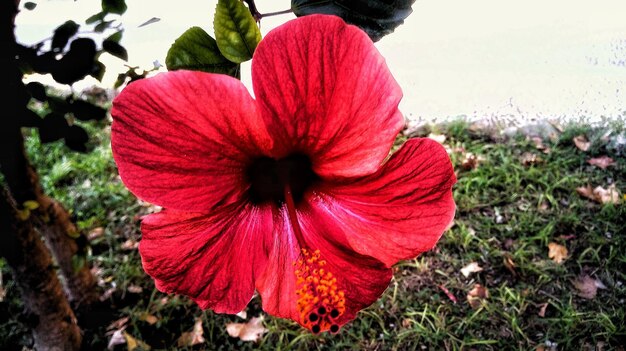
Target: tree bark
[54,326]
[52,220]
[54,223]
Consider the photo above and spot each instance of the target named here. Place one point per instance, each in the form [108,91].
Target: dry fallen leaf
[581,142]
[107,294]
[440,138]
[602,162]
[470,268]
[542,309]
[130,244]
[539,145]
[132,343]
[609,195]
[135,289]
[117,339]
[448,293]
[470,161]
[558,253]
[538,142]
[587,287]
[193,337]
[251,331]
[95,233]
[529,159]
[586,191]
[119,324]
[509,263]
[477,295]
[148,318]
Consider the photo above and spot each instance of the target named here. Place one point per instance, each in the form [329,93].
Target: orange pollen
[320,301]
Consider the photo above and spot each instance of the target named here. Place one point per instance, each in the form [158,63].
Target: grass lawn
[515,202]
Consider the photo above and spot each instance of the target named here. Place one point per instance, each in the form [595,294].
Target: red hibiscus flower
[288,193]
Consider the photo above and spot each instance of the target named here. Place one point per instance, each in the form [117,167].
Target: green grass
[507,212]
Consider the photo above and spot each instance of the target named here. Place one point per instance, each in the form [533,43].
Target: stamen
[318,293]
[316,329]
[316,287]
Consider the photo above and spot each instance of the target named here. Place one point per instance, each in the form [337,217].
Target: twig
[253,10]
[257,15]
[269,14]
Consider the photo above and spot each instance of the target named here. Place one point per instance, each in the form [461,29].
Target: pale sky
[547,58]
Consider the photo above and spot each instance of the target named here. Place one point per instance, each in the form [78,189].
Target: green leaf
[78,262]
[85,111]
[37,91]
[150,21]
[376,17]
[31,204]
[102,26]
[62,35]
[77,63]
[115,49]
[121,79]
[116,37]
[196,50]
[53,127]
[236,31]
[95,18]
[23,215]
[98,70]
[114,6]
[75,138]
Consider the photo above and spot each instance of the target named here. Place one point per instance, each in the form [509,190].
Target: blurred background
[482,59]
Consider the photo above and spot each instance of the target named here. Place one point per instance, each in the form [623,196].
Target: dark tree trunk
[51,219]
[54,223]
[54,324]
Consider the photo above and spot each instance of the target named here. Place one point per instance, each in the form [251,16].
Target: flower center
[320,301]
[269,177]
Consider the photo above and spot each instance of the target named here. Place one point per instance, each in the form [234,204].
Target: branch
[257,15]
[253,10]
[269,14]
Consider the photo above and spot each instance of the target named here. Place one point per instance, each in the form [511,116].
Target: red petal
[180,139]
[403,209]
[362,279]
[324,90]
[212,259]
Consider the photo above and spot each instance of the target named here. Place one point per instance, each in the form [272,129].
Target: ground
[518,211]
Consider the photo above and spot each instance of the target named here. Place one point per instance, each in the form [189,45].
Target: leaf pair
[236,37]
